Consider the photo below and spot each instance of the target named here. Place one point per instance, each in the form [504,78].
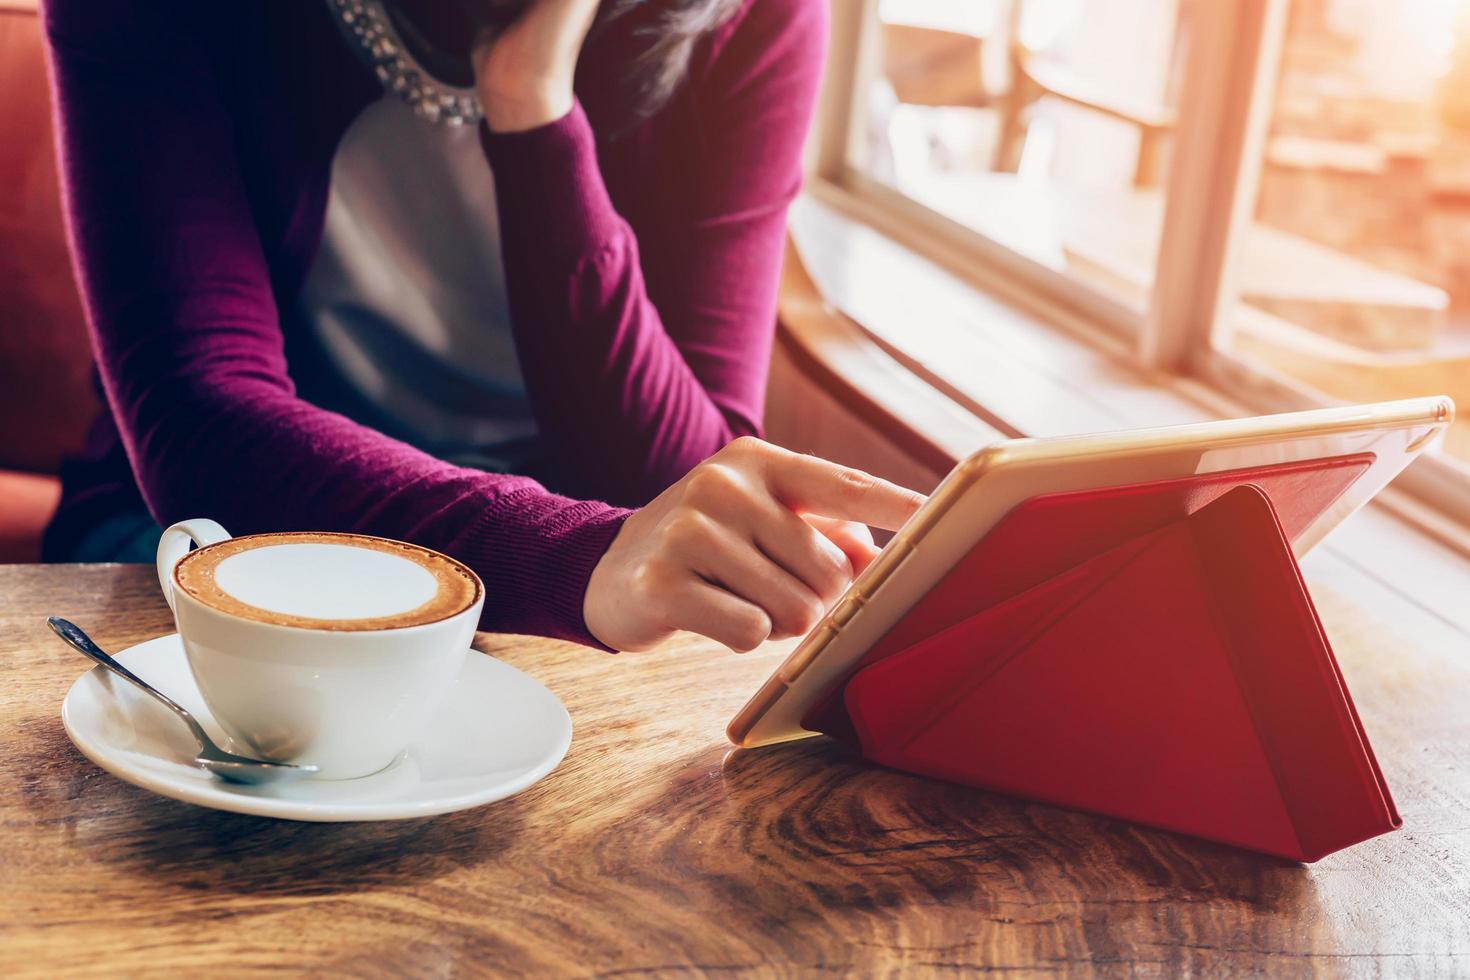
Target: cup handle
[175,544]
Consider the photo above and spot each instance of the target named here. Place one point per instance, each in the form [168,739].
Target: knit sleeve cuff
[548,187]
[537,585]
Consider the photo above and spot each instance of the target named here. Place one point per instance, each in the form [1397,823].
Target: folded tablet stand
[1146,652]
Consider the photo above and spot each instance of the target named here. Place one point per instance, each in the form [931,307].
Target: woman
[314,306]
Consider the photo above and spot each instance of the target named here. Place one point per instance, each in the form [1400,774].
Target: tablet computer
[1317,468]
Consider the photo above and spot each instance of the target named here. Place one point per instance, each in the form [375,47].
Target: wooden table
[654,850]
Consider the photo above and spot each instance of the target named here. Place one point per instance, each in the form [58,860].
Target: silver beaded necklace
[371,33]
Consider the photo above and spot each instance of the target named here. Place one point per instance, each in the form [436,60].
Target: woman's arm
[189,345]
[629,397]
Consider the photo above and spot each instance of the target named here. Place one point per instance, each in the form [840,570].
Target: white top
[406,296]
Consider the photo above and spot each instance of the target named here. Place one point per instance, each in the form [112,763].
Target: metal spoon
[226,765]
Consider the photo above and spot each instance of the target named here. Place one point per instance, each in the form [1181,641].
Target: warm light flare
[1436,22]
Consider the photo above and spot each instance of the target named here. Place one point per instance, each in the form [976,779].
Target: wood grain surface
[653,850]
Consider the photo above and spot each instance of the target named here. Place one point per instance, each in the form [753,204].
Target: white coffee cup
[348,702]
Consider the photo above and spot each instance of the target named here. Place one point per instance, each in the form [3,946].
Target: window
[1354,272]
[1043,126]
[1270,196]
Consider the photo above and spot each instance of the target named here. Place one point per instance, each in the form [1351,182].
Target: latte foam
[327,581]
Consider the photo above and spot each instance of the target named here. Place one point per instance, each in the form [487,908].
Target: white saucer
[499,732]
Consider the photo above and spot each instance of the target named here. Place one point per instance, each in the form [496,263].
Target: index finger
[815,486]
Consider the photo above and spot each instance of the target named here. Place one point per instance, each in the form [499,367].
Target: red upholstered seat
[46,400]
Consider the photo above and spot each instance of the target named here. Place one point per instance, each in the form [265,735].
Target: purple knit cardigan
[195,142]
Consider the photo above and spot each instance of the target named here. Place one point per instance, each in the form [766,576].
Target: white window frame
[1226,101]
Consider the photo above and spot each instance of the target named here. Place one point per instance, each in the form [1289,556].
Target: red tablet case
[1148,652]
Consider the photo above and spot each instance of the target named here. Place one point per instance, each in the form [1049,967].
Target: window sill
[905,342]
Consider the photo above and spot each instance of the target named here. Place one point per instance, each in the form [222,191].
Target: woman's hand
[756,543]
[524,71]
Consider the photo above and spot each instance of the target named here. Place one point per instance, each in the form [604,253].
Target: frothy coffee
[327,581]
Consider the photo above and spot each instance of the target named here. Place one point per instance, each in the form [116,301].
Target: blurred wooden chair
[931,66]
[934,67]
[1036,76]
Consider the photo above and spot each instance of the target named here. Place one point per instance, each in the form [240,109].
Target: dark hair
[662,35]
[659,35]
